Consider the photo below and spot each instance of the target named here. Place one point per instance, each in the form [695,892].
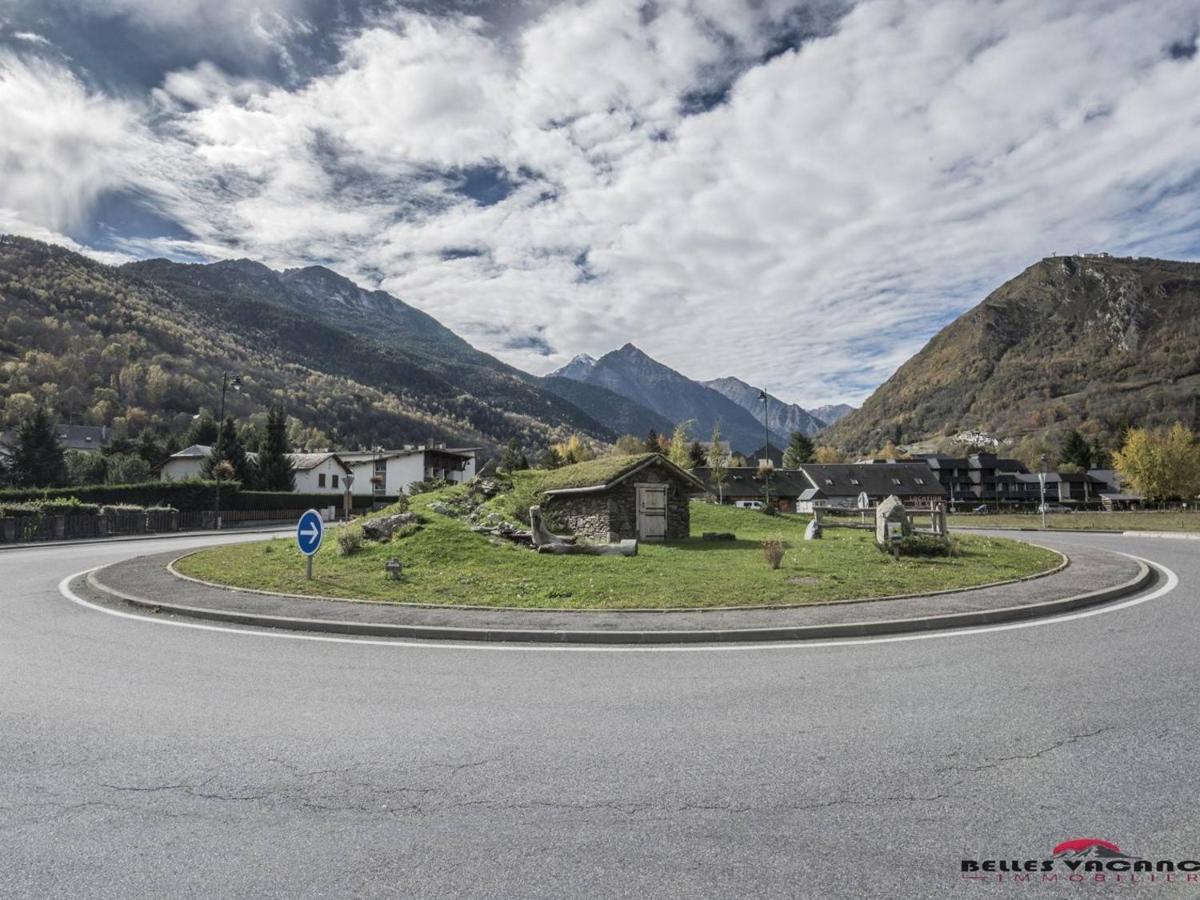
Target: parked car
[749,504]
[982,508]
[1053,508]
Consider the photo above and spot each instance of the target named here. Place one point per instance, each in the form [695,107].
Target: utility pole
[1042,483]
[766,402]
[226,381]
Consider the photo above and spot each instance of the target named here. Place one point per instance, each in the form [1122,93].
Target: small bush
[773,551]
[407,530]
[929,545]
[349,540]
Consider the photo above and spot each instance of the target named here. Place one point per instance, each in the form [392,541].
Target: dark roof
[602,473]
[986,461]
[74,437]
[849,480]
[744,481]
[768,451]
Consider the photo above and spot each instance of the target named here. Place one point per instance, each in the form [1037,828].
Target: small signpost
[310,531]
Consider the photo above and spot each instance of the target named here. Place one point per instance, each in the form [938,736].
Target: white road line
[64,588]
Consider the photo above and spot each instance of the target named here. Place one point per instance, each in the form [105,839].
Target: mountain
[619,414]
[146,343]
[832,414]
[1088,342]
[632,374]
[783,418]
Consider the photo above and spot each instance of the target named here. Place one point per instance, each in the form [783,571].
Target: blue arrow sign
[310,530]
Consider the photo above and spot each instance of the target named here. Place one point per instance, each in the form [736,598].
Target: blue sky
[796,193]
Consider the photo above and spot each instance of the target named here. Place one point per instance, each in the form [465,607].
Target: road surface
[142,759]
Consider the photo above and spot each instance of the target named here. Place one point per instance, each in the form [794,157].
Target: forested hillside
[133,348]
[1091,343]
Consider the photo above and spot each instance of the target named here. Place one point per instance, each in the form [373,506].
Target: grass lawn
[1149,520]
[446,563]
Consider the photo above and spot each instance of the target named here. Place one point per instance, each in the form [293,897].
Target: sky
[799,194]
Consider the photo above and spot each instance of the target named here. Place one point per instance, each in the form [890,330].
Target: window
[321,480]
[919,480]
[896,481]
[829,481]
[335,479]
[854,481]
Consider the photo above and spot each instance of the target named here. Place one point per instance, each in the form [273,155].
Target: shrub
[349,539]
[406,530]
[929,545]
[773,548]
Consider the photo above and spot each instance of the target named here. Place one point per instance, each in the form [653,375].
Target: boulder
[891,517]
[383,527]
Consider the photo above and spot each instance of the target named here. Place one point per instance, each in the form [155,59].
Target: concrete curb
[797,633]
[1169,535]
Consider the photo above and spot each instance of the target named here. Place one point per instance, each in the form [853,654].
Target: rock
[383,527]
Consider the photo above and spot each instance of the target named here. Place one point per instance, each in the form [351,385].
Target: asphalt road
[139,759]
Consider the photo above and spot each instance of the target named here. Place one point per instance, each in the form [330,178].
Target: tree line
[33,456]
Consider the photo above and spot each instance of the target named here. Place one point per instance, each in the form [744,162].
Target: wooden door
[652,512]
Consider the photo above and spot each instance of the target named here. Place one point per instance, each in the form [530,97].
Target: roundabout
[158,755]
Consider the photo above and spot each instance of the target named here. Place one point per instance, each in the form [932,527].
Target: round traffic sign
[310,531]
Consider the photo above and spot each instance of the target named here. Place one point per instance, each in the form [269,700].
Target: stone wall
[584,515]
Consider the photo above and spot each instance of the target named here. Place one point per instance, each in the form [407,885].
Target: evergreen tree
[550,459]
[203,432]
[276,471]
[1075,451]
[799,451]
[36,456]
[652,445]
[228,448]
[512,459]
[697,453]
[149,449]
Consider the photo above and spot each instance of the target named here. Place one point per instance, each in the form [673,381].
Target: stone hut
[622,497]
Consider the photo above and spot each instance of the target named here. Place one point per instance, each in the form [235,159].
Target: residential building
[186,465]
[84,438]
[388,473]
[744,485]
[842,485]
[316,473]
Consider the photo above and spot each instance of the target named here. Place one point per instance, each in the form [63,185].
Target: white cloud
[809,233]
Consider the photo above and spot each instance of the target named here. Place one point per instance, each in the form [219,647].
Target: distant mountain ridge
[782,418]
[637,377]
[1089,342]
[831,414]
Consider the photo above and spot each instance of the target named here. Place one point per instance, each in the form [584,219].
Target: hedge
[185,496]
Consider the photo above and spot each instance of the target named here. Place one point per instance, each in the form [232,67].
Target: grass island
[445,562]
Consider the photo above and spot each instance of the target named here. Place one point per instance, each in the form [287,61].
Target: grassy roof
[593,472]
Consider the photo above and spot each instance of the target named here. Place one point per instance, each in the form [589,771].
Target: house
[980,478]
[388,473]
[615,498]
[842,485]
[316,473]
[84,438]
[744,485]
[186,465]
[319,473]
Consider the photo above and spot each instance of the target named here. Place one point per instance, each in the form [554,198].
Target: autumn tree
[680,441]
[1160,463]
[718,463]
[628,445]
[574,449]
[828,456]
